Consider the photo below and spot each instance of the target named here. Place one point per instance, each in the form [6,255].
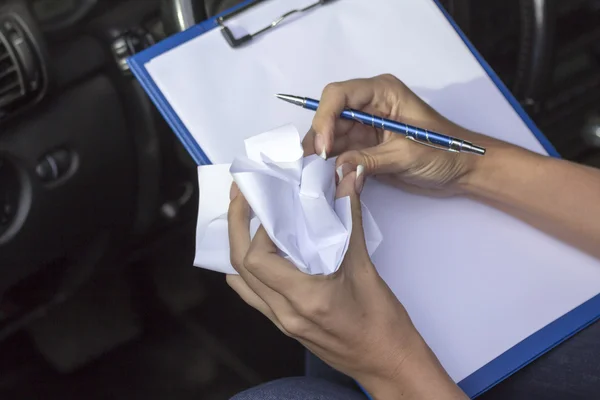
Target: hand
[389,156]
[350,319]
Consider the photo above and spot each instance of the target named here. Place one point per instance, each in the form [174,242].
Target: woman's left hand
[350,319]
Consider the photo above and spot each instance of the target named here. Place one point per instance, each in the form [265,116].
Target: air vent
[11,81]
[21,75]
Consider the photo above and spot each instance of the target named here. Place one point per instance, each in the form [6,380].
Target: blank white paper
[474,280]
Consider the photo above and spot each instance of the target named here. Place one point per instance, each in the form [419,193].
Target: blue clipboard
[496,370]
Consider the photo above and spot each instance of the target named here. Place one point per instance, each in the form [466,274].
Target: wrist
[419,375]
[486,175]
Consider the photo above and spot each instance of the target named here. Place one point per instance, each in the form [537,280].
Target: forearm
[556,196]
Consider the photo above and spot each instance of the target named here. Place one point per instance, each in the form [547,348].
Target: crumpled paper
[292,196]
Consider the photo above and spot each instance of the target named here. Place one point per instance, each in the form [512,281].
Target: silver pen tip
[299,101]
[473,149]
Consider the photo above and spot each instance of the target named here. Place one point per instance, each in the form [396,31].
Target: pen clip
[429,144]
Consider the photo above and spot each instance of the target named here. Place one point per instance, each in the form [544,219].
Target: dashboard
[46,11]
[90,174]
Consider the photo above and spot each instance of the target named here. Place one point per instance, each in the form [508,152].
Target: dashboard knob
[53,165]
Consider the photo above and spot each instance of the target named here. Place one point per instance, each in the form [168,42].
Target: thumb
[351,185]
[388,157]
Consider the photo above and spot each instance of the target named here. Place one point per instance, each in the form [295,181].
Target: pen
[419,135]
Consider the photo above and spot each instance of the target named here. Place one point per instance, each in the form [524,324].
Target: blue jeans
[320,383]
[300,388]
[570,371]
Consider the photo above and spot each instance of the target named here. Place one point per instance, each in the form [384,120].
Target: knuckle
[313,303]
[392,82]
[282,329]
[332,87]
[369,161]
[387,77]
[333,91]
[353,157]
[252,260]
[314,309]
[294,325]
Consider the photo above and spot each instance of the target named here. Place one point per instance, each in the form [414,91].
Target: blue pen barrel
[311,104]
[363,118]
[419,134]
[422,135]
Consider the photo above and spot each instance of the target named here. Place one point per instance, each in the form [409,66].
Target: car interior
[98,198]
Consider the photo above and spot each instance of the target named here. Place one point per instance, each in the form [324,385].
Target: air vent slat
[6,72]
[9,87]
[3,51]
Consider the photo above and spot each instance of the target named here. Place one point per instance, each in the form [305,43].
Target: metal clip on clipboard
[237,42]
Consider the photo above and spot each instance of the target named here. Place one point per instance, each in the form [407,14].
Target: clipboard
[499,368]
[219,21]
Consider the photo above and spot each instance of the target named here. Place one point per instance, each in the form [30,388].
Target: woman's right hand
[389,156]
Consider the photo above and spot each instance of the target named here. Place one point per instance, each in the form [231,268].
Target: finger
[391,156]
[298,291]
[351,136]
[357,247]
[270,268]
[340,143]
[342,126]
[356,93]
[255,269]
[308,143]
[238,220]
[287,284]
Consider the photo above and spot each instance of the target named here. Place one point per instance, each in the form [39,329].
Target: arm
[556,196]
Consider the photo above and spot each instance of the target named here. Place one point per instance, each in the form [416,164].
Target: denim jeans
[570,371]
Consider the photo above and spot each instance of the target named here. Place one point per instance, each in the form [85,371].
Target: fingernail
[340,173]
[320,146]
[343,170]
[233,191]
[360,179]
